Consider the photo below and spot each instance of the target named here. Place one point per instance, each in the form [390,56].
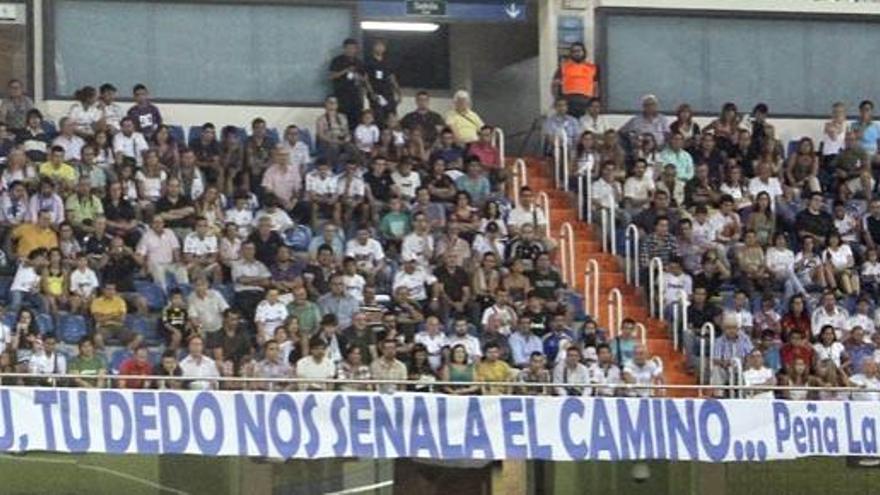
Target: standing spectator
[349,81]
[137,365]
[866,129]
[145,116]
[15,106]
[576,80]
[560,122]
[316,366]
[428,122]
[258,150]
[200,370]
[111,112]
[88,364]
[462,120]
[384,89]
[388,367]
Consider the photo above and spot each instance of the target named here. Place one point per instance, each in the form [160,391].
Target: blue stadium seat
[227,291]
[5,284]
[45,323]
[298,238]
[50,128]
[152,293]
[792,147]
[273,135]
[185,289]
[117,358]
[195,132]
[72,328]
[145,326]
[177,134]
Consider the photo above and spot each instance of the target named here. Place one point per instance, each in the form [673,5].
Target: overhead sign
[426,7]
[452,10]
[328,424]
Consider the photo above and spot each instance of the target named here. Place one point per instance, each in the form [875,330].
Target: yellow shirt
[499,371]
[466,126]
[108,307]
[30,236]
[64,172]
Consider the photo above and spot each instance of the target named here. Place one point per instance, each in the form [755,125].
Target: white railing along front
[631,254]
[615,312]
[643,332]
[544,203]
[561,160]
[656,283]
[566,251]
[591,288]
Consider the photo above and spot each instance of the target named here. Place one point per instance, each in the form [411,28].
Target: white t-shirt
[771,187]
[320,185]
[434,345]
[779,261]
[606,194]
[366,255]
[867,382]
[366,136]
[676,286]
[131,146]
[414,282]
[151,186]
[839,258]
[26,280]
[408,184]
[520,216]
[197,246]
[271,316]
[355,185]
[202,370]
[354,286]
[832,352]
[83,282]
[307,367]
[754,377]
[643,375]
[639,189]
[243,219]
[419,246]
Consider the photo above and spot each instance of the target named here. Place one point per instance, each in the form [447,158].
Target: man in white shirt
[829,313]
[269,315]
[638,188]
[415,279]
[316,366]
[756,374]
[419,243]
[502,310]
[678,286]
[526,212]
[251,278]
[367,252]
[205,307]
[283,179]
[68,140]
[111,112]
[350,192]
[321,192]
[406,180]
[25,288]
[570,376]
[201,252]
[868,378]
[199,368]
[159,251]
[129,143]
[434,340]
[461,336]
[298,153]
[642,371]
[764,182]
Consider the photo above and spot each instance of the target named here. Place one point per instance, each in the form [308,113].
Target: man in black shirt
[546,281]
[266,241]
[349,78]
[871,225]
[176,209]
[379,186]
[207,152]
[456,286]
[230,346]
[385,92]
[97,243]
[813,221]
[429,122]
[119,269]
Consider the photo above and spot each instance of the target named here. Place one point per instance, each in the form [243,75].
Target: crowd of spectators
[775,244]
[384,249]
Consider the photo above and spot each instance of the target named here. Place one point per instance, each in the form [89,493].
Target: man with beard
[577,80]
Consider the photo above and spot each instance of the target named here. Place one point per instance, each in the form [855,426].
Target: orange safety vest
[578,78]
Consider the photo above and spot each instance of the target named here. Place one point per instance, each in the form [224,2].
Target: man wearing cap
[576,80]
[650,121]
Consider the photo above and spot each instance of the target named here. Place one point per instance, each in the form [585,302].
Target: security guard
[577,80]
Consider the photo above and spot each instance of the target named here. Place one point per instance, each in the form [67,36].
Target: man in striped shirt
[732,345]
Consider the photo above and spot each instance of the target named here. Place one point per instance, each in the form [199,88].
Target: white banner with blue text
[328,424]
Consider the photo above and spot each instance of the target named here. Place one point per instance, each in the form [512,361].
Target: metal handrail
[498,143]
[615,312]
[556,160]
[679,307]
[566,247]
[589,180]
[631,254]
[591,284]
[603,214]
[735,378]
[656,287]
[580,199]
[643,330]
[544,201]
[710,328]
[561,159]
[520,178]
[613,215]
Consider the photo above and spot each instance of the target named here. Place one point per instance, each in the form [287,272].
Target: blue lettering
[8,432]
[168,402]
[512,428]
[111,401]
[635,435]
[684,430]
[448,449]
[74,444]
[385,428]
[46,399]
[539,451]
[420,435]
[718,451]
[602,434]
[572,407]
[659,431]
[206,402]
[336,418]
[359,426]
[314,442]
[145,422]
[855,447]
[781,424]
[250,426]
[869,434]
[800,435]
[286,446]
[476,437]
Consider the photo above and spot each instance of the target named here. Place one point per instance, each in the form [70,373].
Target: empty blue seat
[185,289]
[152,293]
[273,135]
[792,147]
[72,328]
[195,132]
[305,136]
[45,323]
[176,132]
[117,358]
[145,326]
[49,128]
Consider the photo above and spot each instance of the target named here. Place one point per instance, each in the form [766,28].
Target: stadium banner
[328,424]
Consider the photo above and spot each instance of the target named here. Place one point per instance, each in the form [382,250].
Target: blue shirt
[772,359]
[565,123]
[522,347]
[552,343]
[726,348]
[868,135]
[478,189]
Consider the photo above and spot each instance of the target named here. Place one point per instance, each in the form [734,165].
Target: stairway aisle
[588,245]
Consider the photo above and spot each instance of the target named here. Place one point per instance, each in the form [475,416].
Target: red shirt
[790,322]
[790,352]
[132,367]
[487,154]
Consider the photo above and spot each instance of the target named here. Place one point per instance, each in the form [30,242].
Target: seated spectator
[251,279]
[25,287]
[82,284]
[660,243]
[159,252]
[204,306]
[89,365]
[316,366]
[108,310]
[58,170]
[755,374]
[353,368]
[388,367]
[32,137]
[129,144]
[858,349]
[643,371]
[459,368]
[230,347]
[869,378]
[137,365]
[798,347]
[734,344]
[828,348]
[201,252]
[829,313]
[462,120]
[168,367]
[840,265]
[28,237]
[494,369]
[175,320]
[272,367]
[814,221]
[199,371]
[572,377]
[144,115]
[420,370]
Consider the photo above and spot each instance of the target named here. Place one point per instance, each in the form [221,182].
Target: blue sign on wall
[456,10]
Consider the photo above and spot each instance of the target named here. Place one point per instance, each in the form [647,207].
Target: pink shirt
[283,182]
[158,249]
[487,153]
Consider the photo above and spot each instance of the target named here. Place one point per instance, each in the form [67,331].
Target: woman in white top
[150,180]
[593,120]
[756,374]
[737,188]
[839,262]
[85,113]
[827,347]
[808,265]
[780,261]
[833,133]
[587,157]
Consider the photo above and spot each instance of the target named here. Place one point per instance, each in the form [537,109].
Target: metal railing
[330,383]
[679,323]
[498,143]
[643,332]
[567,254]
[615,312]
[707,328]
[735,378]
[609,229]
[631,254]
[561,158]
[591,288]
[520,178]
[544,203]
[656,283]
